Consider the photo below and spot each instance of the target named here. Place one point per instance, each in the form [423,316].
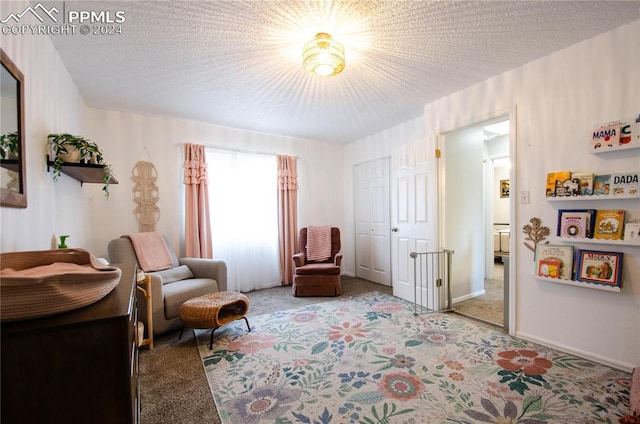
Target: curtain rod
[233,149]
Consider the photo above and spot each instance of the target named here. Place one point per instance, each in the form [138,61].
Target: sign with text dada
[624,184]
[599,267]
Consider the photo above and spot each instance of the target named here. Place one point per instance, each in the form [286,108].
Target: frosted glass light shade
[323,55]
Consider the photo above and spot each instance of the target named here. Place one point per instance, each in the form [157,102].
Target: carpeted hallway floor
[490,306]
[173,386]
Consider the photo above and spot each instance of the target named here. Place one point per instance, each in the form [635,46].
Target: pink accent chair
[317,278]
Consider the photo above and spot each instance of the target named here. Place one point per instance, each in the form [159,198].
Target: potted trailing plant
[64,149]
[107,174]
[67,148]
[9,146]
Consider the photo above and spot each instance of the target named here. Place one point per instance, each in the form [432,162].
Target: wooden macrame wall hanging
[145,194]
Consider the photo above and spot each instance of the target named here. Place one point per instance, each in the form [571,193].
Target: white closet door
[373,244]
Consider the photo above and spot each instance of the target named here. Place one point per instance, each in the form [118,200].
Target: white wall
[557,107]
[52,104]
[498,148]
[124,136]
[558,98]
[463,215]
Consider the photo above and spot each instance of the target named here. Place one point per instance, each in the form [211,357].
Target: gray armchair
[187,278]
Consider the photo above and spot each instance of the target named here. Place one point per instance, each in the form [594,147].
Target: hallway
[490,306]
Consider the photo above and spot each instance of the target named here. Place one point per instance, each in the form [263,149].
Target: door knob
[394,229]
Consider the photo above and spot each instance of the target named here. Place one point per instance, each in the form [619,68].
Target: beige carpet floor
[490,306]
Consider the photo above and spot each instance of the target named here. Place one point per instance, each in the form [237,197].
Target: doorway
[476,216]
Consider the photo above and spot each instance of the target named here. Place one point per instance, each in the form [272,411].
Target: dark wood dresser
[76,367]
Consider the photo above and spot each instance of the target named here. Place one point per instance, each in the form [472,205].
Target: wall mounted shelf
[602,197]
[10,164]
[83,172]
[614,289]
[606,150]
[598,241]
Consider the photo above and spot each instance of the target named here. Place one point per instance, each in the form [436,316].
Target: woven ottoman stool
[213,310]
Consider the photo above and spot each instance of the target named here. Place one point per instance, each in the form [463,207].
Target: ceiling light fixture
[323,55]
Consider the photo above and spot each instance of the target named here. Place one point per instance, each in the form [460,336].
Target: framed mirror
[13,172]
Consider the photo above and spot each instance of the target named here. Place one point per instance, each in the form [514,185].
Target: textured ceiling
[238,63]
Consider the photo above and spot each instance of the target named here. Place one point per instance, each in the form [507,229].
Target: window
[243,190]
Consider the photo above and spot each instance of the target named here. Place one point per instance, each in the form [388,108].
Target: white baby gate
[432,281]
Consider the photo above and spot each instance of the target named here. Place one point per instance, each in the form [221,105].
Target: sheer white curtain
[243,198]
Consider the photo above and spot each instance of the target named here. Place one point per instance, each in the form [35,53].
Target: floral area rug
[369,360]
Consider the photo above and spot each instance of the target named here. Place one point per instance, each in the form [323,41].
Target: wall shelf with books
[564,264]
[571,185]
[580,284]
[604,226]
[615,136]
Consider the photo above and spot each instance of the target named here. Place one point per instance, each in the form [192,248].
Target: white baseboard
[610,362]
[468,296]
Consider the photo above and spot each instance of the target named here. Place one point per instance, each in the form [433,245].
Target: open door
[413,211]
[475,215]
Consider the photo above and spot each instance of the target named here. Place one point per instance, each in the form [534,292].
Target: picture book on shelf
[586,182]
[601,185]
[599,267]
[568,187]
[552,177]
[624,184]
[605,137]
[630,133]
[576,223]
[609,224]
[632,231]
[554,261]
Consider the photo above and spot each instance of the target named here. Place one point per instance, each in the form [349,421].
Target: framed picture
[599,267]
[504,188]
